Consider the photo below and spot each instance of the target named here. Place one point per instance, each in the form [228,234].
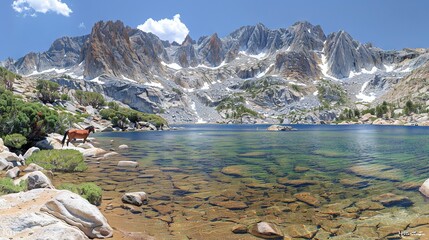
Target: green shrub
[64,97]
[113,105]
[7,78]
[7,186]
[123,115]
[48,91]
[89,98]
[15,141]
[31,119]
[89,191]
[67,160]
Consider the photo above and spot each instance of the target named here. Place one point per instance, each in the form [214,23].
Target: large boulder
[30,151]
[50,214]
[38,180]
[78,212]
[135,198]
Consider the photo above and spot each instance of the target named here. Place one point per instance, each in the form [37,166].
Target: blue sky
[388,24]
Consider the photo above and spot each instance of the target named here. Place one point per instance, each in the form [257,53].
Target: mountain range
[255,74]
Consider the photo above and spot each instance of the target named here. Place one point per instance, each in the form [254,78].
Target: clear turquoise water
[328,150]
[188,173]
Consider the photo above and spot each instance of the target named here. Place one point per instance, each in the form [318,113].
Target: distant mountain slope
[187,81]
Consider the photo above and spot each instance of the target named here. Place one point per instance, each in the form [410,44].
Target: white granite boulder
[50,214]
[13,173]
[5,165]
[131,164]
[30,151]
[135,198]
[38,180]
[424,188]
[33,167]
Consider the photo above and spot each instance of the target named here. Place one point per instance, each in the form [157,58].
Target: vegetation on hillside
[93,99]
[7,78]
[121,116]
[331,94]
[234,108]
[48,91]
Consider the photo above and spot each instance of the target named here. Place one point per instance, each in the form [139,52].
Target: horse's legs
[68,140]
[84,140]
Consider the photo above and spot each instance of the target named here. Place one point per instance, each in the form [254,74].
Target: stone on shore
[30,151]
[50,214]
[3,147]
[135,198]
[280,128]
[93,152]
[38,180]
[123,146]
[10,157]
[13,173]
[49,143]
[5,165]
[86,145]
[266,230]
[131,164]
[33,167]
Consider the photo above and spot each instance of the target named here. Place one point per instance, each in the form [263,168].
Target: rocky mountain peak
[345,55]
[211,50]
[109,50]
[188,41]
[305,36]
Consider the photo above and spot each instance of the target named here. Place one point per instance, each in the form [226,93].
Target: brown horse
[76,133]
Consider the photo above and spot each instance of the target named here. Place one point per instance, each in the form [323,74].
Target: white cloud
[42,6]
[166,29]
[82,25]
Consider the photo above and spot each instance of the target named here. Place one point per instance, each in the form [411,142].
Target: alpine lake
[319,182]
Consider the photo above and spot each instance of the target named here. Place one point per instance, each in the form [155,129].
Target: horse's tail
[64,138]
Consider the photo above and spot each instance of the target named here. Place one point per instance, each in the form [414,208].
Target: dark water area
[319,182]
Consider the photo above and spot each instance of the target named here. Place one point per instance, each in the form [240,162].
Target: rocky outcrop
[279,128]
[54,213]
[186,55]
[211,51]
[110,50]
[300,65]
[344,55]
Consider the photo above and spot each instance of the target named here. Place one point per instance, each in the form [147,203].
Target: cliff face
[109,51]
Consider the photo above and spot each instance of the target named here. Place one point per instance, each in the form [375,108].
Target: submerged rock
[123,146]
[390,200]
[306,197]
[231,205]
[301,231]
[128,164]
[135,198]
[378,171]
[239,229]
[266,230]
[297,182]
